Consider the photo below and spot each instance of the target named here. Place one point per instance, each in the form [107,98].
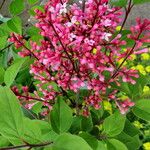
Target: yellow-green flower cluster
[107,106]
[138,124]
[143,70]
[145,56]
[146,89]
[146,146]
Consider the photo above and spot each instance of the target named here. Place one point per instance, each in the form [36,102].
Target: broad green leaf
[11,117]
[140,1]
[2,72]
[76,125]
[61,116]
[101,146]
[4,30]
[97,115]
[37,108]
[114,124]
[130,129]
[142,109]
[121,3]
[133,91]
[16,7]
[33,31]
[32,10]
[32,132]
[3,41]
[3,142]
[132,143]
[92,141]
[12,71]
[15,25]
[31,2]
[28,113]
[114,144]
[70,142]
[86,123]
[47,133]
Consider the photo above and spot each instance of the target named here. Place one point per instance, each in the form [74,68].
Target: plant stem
[126,57]
[65,50]
[128,9]
[62,90]
[2,4]
[26,146]
[6,47]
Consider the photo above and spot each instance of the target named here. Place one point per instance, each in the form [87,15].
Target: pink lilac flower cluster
[80,46]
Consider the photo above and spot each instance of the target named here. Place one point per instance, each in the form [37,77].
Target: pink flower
[80,50]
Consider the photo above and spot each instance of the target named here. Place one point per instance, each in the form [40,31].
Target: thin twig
[65,50]
[83,5]
[126,57]
[26,146]
[6,47]
[2,4]
[128,9]
[63,91]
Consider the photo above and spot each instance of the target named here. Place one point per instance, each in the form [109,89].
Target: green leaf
[114,144]
[31,2]
[101,146]
[32,132]
[130,129]
[121,3]
[132,143]
[133,91]
[114,124]
[76,124]
[97,115]
[12,71]
[3,41]
[142,109]
[92,141]
[11,117]
[70,142]
[2,72]
[16,7]
[15,25]
[33,31]
[61,116]
[32,10]
[140,1]
[86,123]
[28,113]
[3,141]
[37,108]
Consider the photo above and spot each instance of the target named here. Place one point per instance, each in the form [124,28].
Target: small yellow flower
[142,72]
[134,68]
[133,56]
[146,89]
[123,97]
[124,49]
[145,56]
[140,67]
[77,22]
[94,51]
[107,106]
[118,28]
[121,60]
[147,68]
[137,124]
[146,146]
